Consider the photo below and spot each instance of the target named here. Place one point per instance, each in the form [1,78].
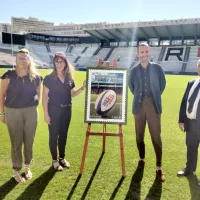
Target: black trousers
[58,129]
[192,143]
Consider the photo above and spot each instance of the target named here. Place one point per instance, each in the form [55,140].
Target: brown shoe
[160,176]
[141,164]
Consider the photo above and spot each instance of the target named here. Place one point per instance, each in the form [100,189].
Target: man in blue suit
[147,83]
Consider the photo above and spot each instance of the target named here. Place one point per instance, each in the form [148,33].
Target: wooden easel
[104,134]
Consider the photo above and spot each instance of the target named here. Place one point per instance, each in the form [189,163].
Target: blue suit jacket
[157,84]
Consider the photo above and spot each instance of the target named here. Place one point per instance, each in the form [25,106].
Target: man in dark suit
[147,83]
[189,121]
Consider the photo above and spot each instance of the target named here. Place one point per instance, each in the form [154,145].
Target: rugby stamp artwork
[106,96]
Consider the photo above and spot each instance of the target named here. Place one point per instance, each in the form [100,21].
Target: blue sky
[89,11]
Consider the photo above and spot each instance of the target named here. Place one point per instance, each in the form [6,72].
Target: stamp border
[87,119]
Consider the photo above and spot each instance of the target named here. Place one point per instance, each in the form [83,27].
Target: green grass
[102,177]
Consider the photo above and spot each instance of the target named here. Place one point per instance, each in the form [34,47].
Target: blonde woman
[19,97]
[57,92]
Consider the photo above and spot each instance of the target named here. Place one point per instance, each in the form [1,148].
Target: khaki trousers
[21,125]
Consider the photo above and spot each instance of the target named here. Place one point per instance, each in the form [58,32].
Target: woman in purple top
[19,98]
[56,99]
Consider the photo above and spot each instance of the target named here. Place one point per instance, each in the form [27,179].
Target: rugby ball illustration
[105,102]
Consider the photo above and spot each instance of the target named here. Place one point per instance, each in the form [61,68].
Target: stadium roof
[183,28]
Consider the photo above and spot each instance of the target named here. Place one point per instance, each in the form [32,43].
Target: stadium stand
[41,51]
[193,58]
[57,48]
[174,45]
[6,57]
[82,56]
[101,55]
[155,53]
[86,56]
[172,63]
[124,56]
[171,58]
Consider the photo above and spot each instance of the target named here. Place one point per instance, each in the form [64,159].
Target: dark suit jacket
[182,112]
[157,84]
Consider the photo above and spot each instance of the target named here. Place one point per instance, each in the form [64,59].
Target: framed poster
[106,96]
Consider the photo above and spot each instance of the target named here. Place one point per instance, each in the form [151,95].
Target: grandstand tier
[175,45]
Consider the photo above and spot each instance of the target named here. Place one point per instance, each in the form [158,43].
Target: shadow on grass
[74,187]
[135,186]
[7,187]
[92,177]
[117,188]
[37,187]
[155,191]
[194,188]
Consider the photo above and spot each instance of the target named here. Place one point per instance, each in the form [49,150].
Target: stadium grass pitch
[102,177]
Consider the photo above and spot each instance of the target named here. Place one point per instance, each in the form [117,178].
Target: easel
[104,134]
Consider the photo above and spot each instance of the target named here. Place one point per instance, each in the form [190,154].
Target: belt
[51,105]
[63,105]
